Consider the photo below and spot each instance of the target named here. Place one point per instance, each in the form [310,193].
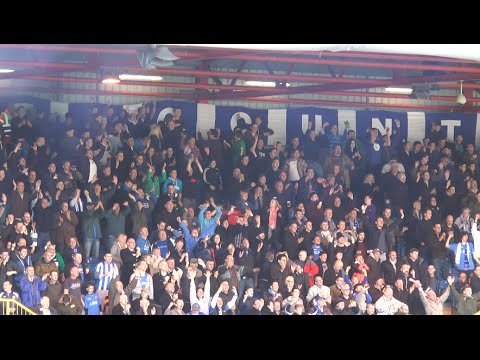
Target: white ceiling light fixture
[156,62]
[110,79]
[399,90]
[263,83]
[140,77]
[6,71]
[155,56]
[461,99]
[162,52]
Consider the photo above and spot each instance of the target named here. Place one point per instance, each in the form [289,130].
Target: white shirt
[323,291]
[293,174]
[45,311]
[205,301]
[476,239]
[93,170]
[385,306]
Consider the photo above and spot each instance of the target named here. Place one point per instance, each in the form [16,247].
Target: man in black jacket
[374,264]
[212,177]
[390,267]
[417,265]
[291,241]
[169,215]
[333,272]
[43,216]
[280,271]
[377,235]
[424,232]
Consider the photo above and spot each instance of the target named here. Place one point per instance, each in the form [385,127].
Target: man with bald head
[309,268]
[116,290]
[387,304]
[45,265]
[433,304]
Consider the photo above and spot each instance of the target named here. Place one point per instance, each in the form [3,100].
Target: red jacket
[232,218]
[311,269]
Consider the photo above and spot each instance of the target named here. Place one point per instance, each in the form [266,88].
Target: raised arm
[455,293]
[193,290]
[423,296]
[475,232]
[183,227]
[206,291]
[213,303]
[447,244]
[218,213]
[388,141]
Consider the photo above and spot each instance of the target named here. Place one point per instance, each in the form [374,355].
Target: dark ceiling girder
[373,64]
[240,69]
[268,67]
[214,78]
[291,66]
[331,71]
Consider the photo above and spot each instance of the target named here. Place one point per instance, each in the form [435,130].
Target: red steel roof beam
[357,104]
[95,92]
[333,87]
[211,86]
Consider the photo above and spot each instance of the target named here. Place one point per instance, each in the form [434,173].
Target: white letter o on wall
[240,114]
[163,113]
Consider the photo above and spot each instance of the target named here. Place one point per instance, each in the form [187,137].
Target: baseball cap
[193,261]
[196,307]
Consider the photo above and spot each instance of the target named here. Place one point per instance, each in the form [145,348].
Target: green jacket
[116,223]
[465,305]
[61,262]
[153,183]
[239,150]
[90,219]
[139,217]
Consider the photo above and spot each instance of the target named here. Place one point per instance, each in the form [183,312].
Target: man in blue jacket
[31,286]
[205,218]
[192,238]
[142,241]
[23,260]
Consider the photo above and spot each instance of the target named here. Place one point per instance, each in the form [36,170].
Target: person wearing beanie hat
[68,306]
[321,307]
[195,310]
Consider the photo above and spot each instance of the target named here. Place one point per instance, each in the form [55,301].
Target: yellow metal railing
[13,307]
